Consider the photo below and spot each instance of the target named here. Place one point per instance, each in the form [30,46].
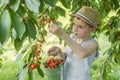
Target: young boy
[82,50]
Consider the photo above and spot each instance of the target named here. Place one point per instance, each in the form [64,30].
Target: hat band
[87,18]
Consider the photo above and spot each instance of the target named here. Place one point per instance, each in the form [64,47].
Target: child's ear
[92,29]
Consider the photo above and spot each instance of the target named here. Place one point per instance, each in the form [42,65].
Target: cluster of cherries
[45,20]
[53,62]
[40,21]
[37,57]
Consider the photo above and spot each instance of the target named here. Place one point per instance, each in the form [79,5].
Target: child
[82,50]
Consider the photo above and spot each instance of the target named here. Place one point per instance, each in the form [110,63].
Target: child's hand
[54,51]
[55,29]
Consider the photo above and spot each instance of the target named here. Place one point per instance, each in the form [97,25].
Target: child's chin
[77,36]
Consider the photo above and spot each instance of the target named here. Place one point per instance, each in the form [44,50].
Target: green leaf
[23,74]
[117,59]
[1,62]
[60,11]
[53,14]
[5,1]
[31,30]
[44,32]
[104,74]
[116,4]
[24,49]
[33,5]
[28,51]
[51,2]
[42,4]
[29,56]
[118,74]
[65,3]
[14,4]
[21,11]
[40,71]
[0,46]
[18,24]
[5,25]
[2,6]
[18,57]
[75,2]
[18,44]
[24,65]
[30,75]
[13,34]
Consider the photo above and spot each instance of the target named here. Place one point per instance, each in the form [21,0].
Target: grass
[9,71]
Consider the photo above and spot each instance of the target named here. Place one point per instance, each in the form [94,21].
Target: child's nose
[75,28]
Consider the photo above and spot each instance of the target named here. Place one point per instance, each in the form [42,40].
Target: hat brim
[84,19]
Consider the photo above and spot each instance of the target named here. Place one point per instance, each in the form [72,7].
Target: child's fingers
[53,28]
[52,25]
[51,49]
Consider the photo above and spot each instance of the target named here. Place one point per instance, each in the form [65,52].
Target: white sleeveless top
[76,68]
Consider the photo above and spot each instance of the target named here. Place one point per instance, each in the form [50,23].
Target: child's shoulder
[94,41]
[92,45]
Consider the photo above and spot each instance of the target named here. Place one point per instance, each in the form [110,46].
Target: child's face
[81,29]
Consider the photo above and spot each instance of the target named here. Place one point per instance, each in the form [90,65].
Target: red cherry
[45,66]
[26,20]
[42,41]
[51,60]
[39,58]
[40,21]
[48,17]
[34,66]
[48,21]
[40,46]
[106,8]
[54,62]
[52,21]
[38,52]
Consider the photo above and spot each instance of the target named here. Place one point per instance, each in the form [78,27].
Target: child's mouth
[75,34]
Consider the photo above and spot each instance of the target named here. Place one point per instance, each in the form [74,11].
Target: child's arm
[79,50]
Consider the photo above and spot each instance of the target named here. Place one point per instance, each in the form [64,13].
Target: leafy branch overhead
[23,20]
[21,16]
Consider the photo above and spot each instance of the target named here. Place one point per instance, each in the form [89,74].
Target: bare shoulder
[91,47]
[93,43]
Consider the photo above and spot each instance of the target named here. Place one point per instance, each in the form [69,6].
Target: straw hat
[89,15]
